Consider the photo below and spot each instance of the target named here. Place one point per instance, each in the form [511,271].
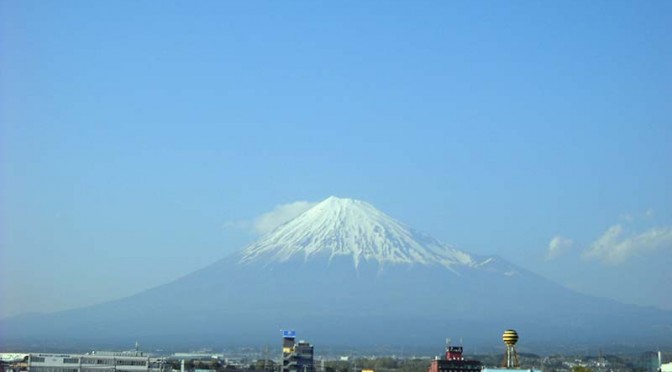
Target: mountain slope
[346,273]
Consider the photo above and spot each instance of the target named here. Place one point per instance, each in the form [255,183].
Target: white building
[95,362]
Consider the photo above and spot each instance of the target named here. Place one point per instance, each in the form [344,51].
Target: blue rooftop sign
[289,334]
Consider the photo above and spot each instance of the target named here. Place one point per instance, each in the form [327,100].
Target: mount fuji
[345,273]
[353,230]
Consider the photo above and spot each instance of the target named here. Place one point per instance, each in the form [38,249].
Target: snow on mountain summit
[338,227]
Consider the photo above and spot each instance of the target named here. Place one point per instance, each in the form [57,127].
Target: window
[131,363]
[109,361]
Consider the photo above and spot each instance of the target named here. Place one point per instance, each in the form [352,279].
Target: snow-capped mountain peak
[339,227]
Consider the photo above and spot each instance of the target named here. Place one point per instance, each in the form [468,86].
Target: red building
[454,362]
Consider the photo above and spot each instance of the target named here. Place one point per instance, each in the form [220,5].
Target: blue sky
[137,138]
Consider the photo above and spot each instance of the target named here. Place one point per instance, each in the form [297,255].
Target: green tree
[581,369]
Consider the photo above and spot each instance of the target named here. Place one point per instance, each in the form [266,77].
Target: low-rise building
[666,367]
[95,362]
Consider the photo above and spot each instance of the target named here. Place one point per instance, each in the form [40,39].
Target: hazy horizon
[142,141]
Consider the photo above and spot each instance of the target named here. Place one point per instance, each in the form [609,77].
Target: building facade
[453,361]
[95,362]
[296,357]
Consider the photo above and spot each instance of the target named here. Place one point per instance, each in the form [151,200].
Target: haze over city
[140,142]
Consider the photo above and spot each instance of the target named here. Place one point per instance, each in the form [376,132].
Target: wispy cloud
[238,225]
[632,217]
[268,221]
[282,213]
[617,244]
[558,246]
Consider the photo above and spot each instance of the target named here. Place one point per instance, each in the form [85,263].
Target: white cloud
[282,213]
[616,245]
[268,221]
[558,246]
